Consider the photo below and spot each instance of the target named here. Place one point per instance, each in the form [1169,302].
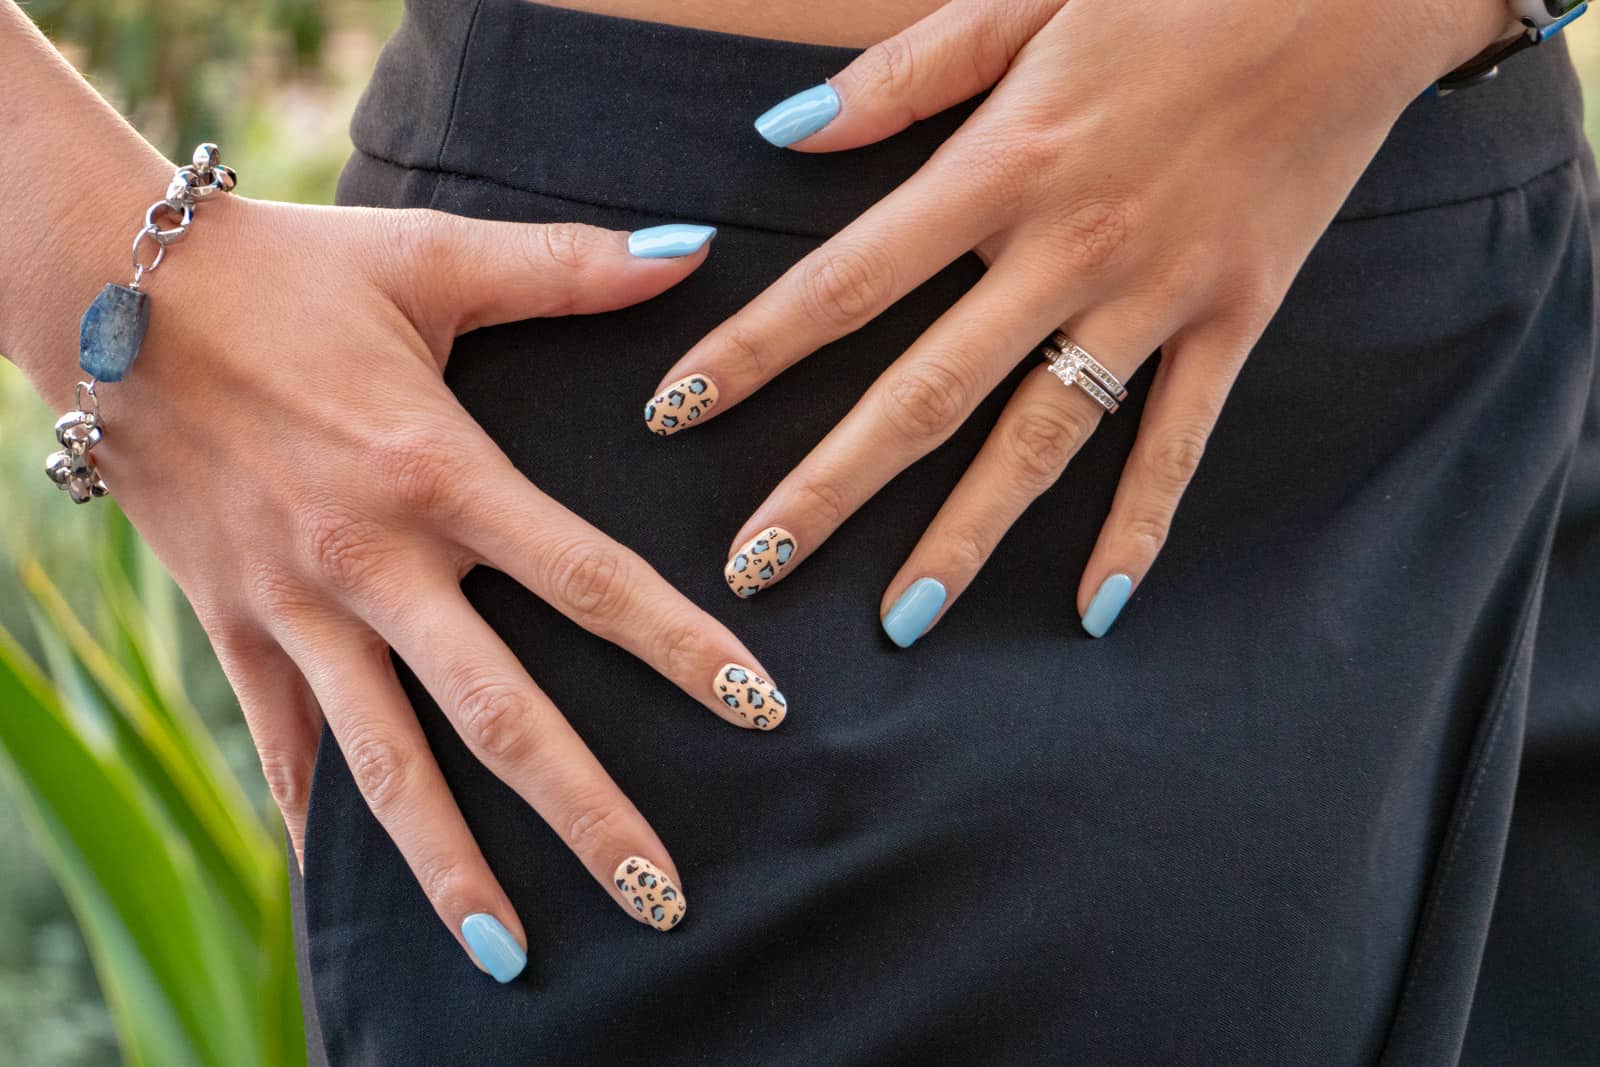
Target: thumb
[957,51]
[496,272]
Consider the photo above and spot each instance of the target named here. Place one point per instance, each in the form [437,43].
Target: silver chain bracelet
[114,323]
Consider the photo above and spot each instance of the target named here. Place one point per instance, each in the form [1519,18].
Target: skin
[367,506]
[349,512]
[1105,203]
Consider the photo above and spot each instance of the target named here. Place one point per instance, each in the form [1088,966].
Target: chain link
[190,184]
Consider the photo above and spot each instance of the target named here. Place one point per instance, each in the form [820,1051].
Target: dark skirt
[1262,821]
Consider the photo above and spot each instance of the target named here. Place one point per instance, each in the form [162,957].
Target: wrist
[1463,28]
[83,179]
[75,249]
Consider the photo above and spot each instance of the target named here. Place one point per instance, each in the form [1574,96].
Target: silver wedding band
[1074,366]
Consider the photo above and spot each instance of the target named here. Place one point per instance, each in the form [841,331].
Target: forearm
[80,179]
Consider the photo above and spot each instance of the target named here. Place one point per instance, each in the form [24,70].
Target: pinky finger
[284,719]
[1190,386]
[372,719]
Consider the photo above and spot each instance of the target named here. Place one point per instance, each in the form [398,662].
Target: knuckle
[276,592]
[969,546]
[924,402]
[566,244]
[1093,232]
[494,717]
[441,876]
[344,549]
[412,236]
[821,501]
[889,68]
[847,285]
[1174,456]
[287,783]
[1148,532]
[419,469]
[749,352]
[589,832]
[233,638]
[684,648]
[1005,165]
[590,580]
[1245,304]
[1044,439]
[381,768]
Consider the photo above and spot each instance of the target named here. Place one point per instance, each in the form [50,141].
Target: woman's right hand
[288,447]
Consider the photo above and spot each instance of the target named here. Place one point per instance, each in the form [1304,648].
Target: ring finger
[1041,429]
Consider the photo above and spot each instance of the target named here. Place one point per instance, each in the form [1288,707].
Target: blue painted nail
[1107,603]
[800,116]
[914,612]
[670,241]
[494,946]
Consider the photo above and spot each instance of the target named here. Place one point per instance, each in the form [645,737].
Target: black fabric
[1262,821]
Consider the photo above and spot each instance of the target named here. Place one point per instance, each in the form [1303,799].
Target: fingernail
[651,895]
[750,696]
[680,403]
[759,563]
[494,946]
[914,612]
[670,241]
[1107,603]
[800,116]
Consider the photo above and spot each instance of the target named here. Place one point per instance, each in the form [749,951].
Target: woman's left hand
[1141,176]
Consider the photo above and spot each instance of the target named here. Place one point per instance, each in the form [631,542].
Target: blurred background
[131,794]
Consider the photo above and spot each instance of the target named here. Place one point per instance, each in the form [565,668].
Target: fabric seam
[1462,820]
[1459,201]
[644,209]
[455,90]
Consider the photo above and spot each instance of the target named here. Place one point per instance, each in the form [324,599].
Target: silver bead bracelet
[114,324]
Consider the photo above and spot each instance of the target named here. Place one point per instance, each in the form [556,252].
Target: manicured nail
[494,946]
[1103,609]
[670,241]
[651,895]
[750,696]
[914,612]
[759,563]
[680,404]
[800,116]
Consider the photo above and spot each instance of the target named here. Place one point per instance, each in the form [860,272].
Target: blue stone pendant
[112,330]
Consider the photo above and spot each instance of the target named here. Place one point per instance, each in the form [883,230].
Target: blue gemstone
[111,332]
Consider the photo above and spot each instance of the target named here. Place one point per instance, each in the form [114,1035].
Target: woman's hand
[1142,176]
[287,445]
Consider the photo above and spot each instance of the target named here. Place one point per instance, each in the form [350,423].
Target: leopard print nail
[680,404]
[751,697]
[760,562]
[651,896]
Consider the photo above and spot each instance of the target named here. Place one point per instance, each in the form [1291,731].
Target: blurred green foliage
[177,881]
[274,82]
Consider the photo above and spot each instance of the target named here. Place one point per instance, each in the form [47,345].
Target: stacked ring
[1074,366]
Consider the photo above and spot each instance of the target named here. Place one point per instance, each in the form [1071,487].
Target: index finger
[895,246]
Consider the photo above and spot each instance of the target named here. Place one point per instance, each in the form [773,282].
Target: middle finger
[911,409]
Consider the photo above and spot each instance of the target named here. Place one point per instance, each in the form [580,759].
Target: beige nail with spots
[652,898]
[755,700]
[760,562]
[681,404]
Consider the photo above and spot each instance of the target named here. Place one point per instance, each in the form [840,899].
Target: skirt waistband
[612,111]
